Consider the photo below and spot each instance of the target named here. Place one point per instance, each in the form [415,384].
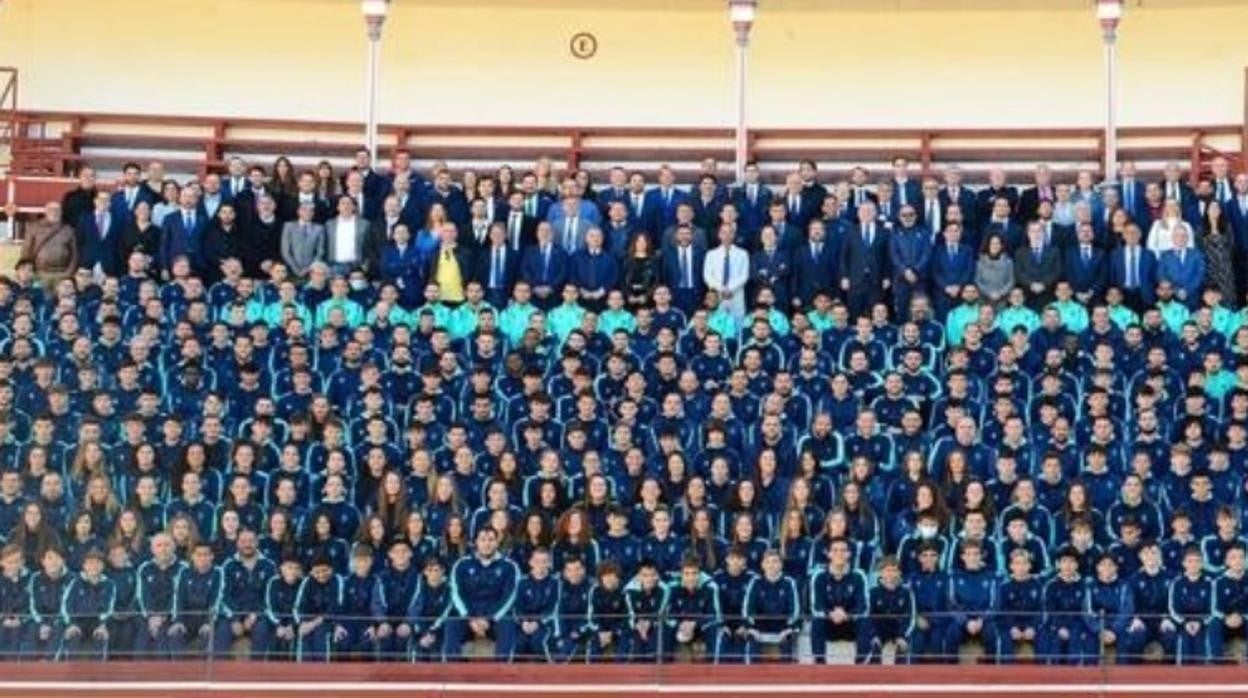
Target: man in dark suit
[1000,221]
[537,202]
[906,190]
[986,198]
[789,235]
[182,232]
[641,214]
[1131,193]
[953,266]
[931,211]
[99,237]
[751,198]
[864,267]
[594,271]
[1133,268]
[954,193]
[235,180]
[682,271]
[812,191]
[910,256]
[247,201]
[618,231]
[521,229]
[130,191]
[376,186]
[860,189]
[798,209]
[615,191]
[1037,267]
[815,265]
[545,267]
[1042,190]
[1085,267]
[771,268]
[497,266]
[81,199]
[663,199]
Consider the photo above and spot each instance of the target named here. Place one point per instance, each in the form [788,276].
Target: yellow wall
[815,63]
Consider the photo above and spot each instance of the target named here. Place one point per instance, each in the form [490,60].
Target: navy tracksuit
[848,591]
[892,618]
[88,606]
[1067,606]
[646,605]
[731,590]
[358,599]
[318,600]
[430,608]
[572,625]
[124,627]
[1192,601]
[44,632]
[931,608]
[1150,598]
[608,612]
[971,596]
[155,591]
[1230,596]
[700,606]
[14,613]
[197,602]
[244,589]
[481,589]
[279,612]
[772,606]
[536,602]
[1018,606]
[391,602]
[1113,606]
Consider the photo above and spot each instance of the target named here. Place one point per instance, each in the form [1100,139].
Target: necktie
[953,251]
[303,228]
[793,204]
[1087,254]
[857,196]
[637,204]
[546,262]
[1036,253]
[1128,195]
[130,197]
[497,273]
[530,206]
[933,216]
[567,234]
[1182,254]
[901,193]
[190,222]
[869,236]
[727,266]
[593,271]
[1131,261]
[515,230]
[99,225]
[816,250]
[753,189]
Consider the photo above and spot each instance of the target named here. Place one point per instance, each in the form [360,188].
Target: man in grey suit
[303,240]
[348,239]
[571,227]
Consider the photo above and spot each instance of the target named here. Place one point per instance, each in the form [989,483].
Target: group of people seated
[377,416]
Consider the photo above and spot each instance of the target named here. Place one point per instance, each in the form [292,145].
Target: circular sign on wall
[583,45]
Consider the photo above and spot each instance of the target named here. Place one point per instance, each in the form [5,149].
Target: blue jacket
[1019,604]
[535,270]
[176,240]
[594,272]
[645,605]
[280,600]
[1067,604]
[955,270]
[1146,272]
[971,595]
[46,595]
[87,602]
[892,611]
[848,592]
[572,609]
[772,606]
[316,599]
[536,599]
[430,608]
[244,588]
[1191,600]
[395,593]
[101,247]
[157,587]
[910,249]
[484,588]
[700,605]
[1114,603]
[608,610]
[198,595]
[660,207]
[1150,594]
[1187,275]
[1086,275]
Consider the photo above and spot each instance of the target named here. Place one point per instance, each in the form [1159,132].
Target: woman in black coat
[641,272]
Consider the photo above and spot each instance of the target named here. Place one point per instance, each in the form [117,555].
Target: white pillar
[742,138]
[1111,104]
[370,100]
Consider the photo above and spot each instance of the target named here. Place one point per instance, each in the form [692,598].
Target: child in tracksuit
[731,584]
[572,629]
[525,634]
[274,635]
[1111,605]
[196,624]
[608,614]
[396,587]
[428,613]
[123,629]
[931,587]
[47,592]
[1150,601]
[88,608]
[693,608]
[838,605]
[1192,612]
[1018,608]
[483,589]
[1068,622]
[358,603]
[646,601]
[14,599]
[318,610]
[972,596]
[1231,597]
[772,610]
[156,589]
[892,612]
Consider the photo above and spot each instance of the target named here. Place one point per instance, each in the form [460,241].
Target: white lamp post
[374,17]
[1109,12]
[742,14]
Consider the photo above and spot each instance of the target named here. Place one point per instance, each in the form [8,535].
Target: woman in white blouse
[1161,235]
